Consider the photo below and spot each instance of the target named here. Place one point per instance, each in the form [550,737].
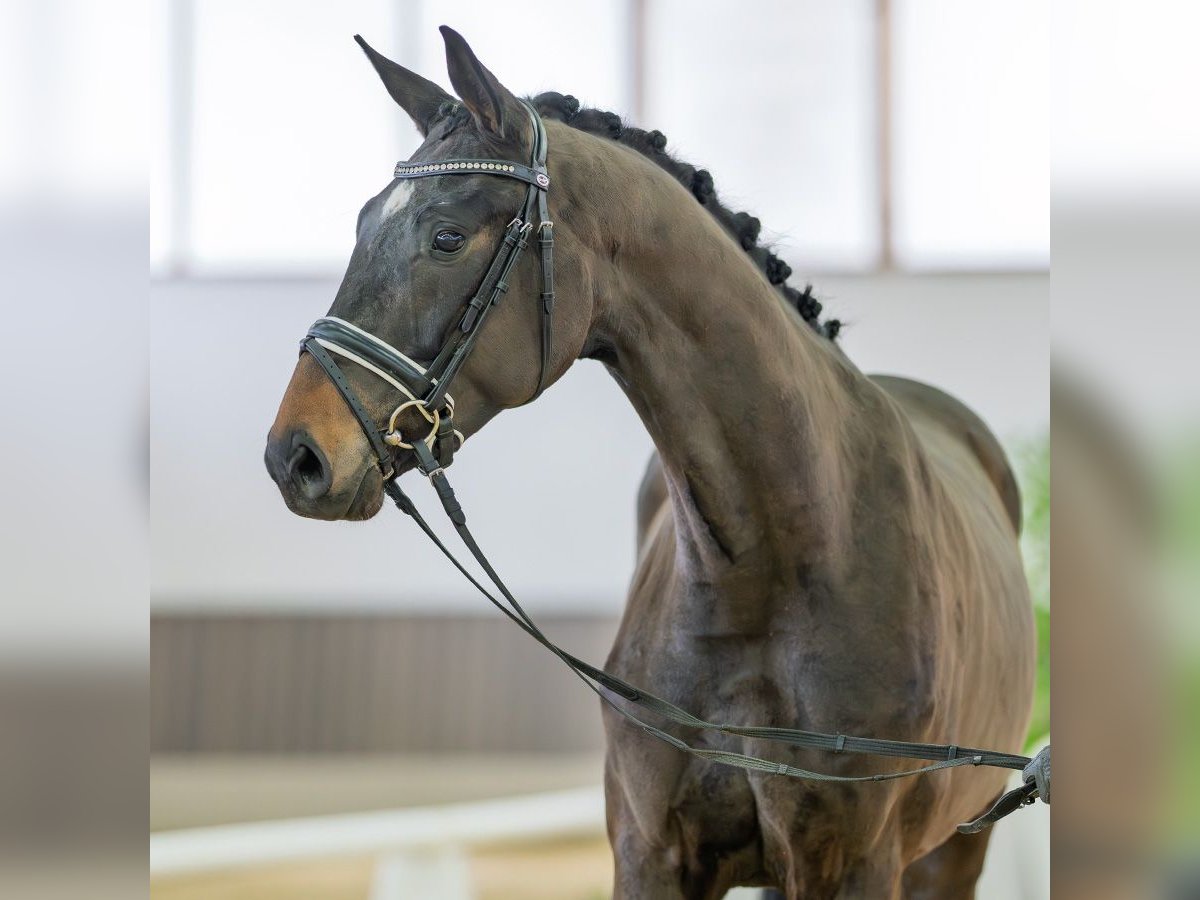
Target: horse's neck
[753,413]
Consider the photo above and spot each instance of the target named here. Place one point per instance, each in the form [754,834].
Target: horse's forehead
[405,193]
[395,199]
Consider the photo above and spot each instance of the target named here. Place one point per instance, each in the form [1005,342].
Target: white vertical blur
[72,232]
[971,168]
[776,98]
[1127,208]
[1122,130]
[71,131]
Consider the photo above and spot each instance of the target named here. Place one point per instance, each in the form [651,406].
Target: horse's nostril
[296,458]
[308,471]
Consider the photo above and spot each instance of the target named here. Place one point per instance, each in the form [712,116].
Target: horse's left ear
[492,105]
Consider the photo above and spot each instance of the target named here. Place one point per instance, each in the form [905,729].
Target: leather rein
[425,389]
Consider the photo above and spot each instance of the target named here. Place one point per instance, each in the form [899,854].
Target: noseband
[427,389]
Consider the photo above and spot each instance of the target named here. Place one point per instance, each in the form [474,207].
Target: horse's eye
[448,241]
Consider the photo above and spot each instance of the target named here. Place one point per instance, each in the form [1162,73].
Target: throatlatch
[425,389]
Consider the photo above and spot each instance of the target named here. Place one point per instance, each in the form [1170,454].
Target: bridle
[425,389]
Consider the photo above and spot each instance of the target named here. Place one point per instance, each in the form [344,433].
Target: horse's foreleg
[642,871]
[649,867]
[870,881]
[949,871]
[642,878]
[821,873]
[865,882]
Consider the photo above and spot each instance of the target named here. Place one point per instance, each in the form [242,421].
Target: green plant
[1033,472]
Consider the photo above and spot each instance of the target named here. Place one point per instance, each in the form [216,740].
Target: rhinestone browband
[536,177]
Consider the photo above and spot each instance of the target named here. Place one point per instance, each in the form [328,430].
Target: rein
[425,389]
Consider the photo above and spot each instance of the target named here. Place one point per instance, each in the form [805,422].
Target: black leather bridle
[426,390]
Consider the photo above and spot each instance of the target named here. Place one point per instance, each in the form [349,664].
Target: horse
[817,548]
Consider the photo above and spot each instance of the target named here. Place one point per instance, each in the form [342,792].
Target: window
[861,133]
[776,99]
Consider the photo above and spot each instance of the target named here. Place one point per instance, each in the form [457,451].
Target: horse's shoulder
[921,401]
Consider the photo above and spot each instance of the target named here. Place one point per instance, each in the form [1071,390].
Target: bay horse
[817,548]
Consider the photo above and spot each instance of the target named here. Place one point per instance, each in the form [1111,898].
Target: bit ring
[392,436]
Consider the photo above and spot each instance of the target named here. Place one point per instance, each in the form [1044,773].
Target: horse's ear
[492,105]
[417,96]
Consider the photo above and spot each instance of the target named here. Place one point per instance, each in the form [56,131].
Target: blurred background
[896,151]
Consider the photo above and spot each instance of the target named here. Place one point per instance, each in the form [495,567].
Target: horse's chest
[710,804]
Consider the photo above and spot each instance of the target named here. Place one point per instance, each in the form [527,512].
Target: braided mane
[742,227]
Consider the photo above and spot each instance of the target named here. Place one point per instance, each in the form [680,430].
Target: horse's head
[423,247]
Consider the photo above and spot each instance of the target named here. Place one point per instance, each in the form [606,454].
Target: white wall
[559,525]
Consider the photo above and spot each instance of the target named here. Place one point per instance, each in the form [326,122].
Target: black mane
[742,227]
